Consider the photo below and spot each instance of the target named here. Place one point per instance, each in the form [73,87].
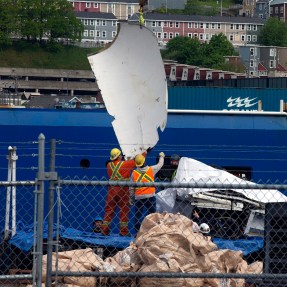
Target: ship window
[85,163]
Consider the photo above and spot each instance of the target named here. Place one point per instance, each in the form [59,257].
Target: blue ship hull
[85,137]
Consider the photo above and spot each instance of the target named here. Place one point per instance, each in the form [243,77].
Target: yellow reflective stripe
[143,175]
[115,169]
[123,223]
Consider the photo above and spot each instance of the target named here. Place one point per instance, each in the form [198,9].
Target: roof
[276,2]
[280,68]
[118,1]
[95,15]
[261,68]
[197,18]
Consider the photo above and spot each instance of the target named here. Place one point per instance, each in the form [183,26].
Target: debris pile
[165,243]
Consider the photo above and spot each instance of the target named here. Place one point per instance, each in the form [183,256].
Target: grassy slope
[34,56]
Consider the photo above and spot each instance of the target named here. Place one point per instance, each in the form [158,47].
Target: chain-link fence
[206,227]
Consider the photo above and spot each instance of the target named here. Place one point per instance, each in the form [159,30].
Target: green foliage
[273,33]
[8,27]
[38,20]
[25,54]
[189,51]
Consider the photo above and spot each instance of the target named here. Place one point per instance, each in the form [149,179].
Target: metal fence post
[40,208]
[51,215]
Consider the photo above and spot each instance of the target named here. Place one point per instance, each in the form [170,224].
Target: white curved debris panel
[131,77]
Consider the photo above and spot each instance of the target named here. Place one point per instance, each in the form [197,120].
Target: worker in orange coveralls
[118,169]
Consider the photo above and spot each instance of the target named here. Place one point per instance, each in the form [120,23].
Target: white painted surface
[131,77]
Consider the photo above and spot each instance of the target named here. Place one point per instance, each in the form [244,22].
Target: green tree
[8,28]
[46,19]
[190,51]
[217,48]
[273,33]
[179,49]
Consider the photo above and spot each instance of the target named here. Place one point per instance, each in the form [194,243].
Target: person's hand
[161,154]
[195,214]
[132,201]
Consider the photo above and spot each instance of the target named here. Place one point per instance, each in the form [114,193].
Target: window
[176,34]
[114,23]
[165,24]
[261,16]
[92,22]
[98,33]
[170,35]
[237,26]
[189,35]
[96,5]
[159,24]
[189,25]
[231,38]
[206,36]
[104,34]
[201,25]
[251,63]
[254,27]
[114,33]
[271,64]
[281,9]
[254,38]
[195,25]
[153,23]
[260,7]
[195,35]
[88,4]
[159,35]
[212,26]
[218,26]
[165,35]
[243,38]
[272,52]
[201,36]
[177,25]
[86,33]
[276,10]
[92,33]
[231,27]
[249,38]
[252,51]
[104,23]
[248,27]
[242,27]
[98,22]
[86,22]
[170,24]
[207,25]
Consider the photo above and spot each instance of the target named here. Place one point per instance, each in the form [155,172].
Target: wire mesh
[201,233]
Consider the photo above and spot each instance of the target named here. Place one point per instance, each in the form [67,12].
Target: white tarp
[193,171]
[131,77]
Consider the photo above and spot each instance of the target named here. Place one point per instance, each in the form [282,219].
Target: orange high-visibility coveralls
[118,195]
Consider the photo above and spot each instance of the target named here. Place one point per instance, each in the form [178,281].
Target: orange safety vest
[144,177]
[116,175]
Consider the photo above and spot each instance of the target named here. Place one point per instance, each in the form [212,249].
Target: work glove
[132,201]
[161,154]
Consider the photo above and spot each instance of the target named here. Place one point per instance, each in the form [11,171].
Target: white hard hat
[204,228]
